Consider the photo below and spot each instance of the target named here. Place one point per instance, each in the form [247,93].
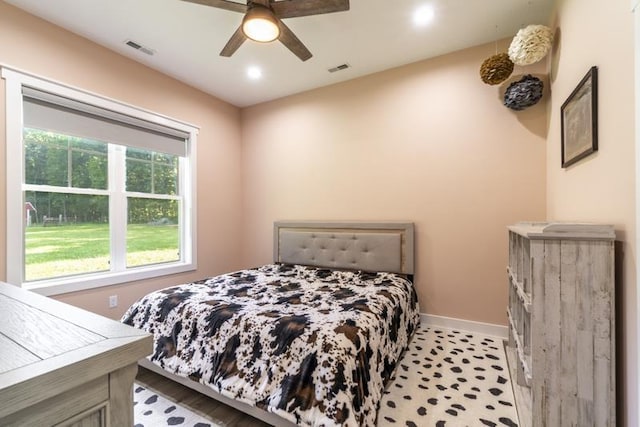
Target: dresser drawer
[67,409]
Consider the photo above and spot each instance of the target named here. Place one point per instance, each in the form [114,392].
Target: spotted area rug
[151,409]
[450,378]
[446,378]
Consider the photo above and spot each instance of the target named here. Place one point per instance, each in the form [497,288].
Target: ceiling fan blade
[234,43]
[292,42]
[222,4]
[264,3]
[294,8]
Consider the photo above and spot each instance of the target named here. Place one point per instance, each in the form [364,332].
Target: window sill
[84,282]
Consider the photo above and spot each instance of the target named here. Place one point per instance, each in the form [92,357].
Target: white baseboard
[464,325]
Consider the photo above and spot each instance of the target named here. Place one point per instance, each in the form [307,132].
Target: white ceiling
[374,35]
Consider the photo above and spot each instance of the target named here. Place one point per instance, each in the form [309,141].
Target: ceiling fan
[262,20]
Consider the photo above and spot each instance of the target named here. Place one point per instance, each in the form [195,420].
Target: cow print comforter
[314,346]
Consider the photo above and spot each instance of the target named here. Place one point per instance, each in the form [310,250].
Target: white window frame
[15,186]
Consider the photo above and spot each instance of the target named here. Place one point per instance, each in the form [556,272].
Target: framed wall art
[579,120]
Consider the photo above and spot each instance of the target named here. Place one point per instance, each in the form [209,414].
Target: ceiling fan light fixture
[260,24]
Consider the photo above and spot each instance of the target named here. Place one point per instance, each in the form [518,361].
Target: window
[102,192]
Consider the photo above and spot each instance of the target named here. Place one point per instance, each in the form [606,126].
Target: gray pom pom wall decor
[524,93]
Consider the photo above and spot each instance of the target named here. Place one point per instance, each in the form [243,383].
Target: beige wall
[38,47]
[602,187]
[428,143]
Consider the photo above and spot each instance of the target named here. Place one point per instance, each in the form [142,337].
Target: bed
[311,339]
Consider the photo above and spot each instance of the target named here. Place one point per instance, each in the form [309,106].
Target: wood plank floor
[217,412]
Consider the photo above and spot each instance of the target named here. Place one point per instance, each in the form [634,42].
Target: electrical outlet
[113,301]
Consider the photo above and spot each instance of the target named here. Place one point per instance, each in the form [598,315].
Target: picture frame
[579,120]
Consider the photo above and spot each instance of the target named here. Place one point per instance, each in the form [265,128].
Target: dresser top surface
[38,333]
[564,230]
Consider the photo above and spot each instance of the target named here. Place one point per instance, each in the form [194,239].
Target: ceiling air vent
[138,46]
[339,68]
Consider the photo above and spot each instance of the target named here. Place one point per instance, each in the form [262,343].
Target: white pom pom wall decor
[530,45]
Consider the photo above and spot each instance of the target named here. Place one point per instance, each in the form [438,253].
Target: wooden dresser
[562,323]
[63,366]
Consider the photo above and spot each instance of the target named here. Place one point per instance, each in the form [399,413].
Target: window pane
[152,231]
[138,176]
[96,147]
[46,158]
[166,159]
[165,179]
[138,153]
[89,170]
[151,172]
[66,234]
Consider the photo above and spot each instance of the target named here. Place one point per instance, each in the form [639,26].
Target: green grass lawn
[83,248]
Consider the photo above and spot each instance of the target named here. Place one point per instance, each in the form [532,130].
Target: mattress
[312,345]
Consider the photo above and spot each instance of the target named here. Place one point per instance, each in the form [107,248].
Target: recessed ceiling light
[423,15]
[254,73]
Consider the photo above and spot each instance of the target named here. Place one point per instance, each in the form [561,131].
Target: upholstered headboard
[368,246]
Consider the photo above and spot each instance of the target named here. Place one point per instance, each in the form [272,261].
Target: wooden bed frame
[369,246]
